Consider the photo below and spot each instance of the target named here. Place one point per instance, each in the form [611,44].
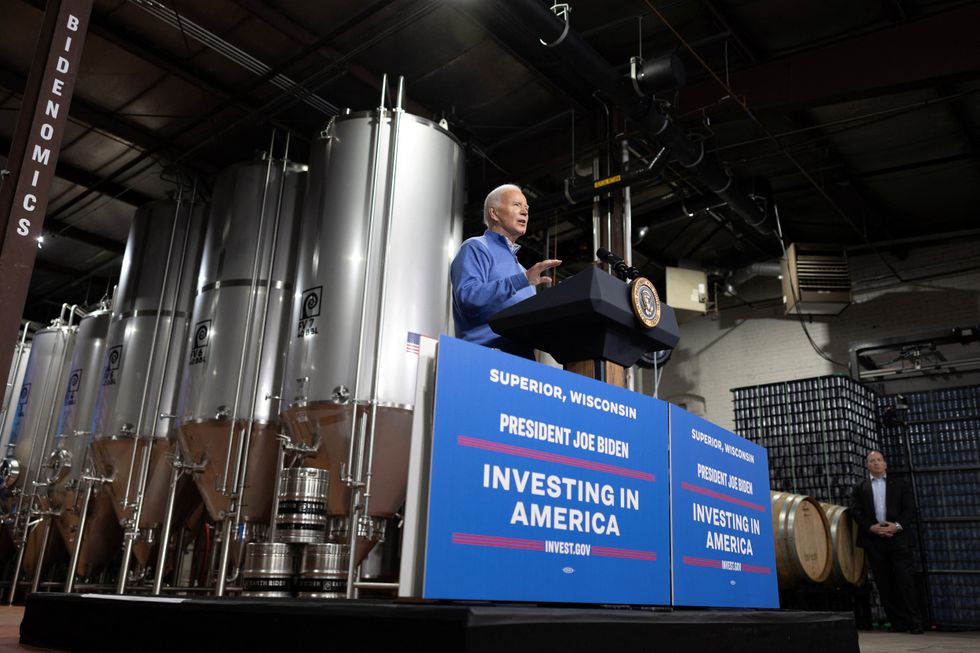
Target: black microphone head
[602,253]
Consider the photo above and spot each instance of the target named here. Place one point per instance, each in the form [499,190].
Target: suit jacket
[899,507]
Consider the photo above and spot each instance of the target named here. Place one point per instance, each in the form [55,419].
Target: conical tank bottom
[329,424]
[111,456]
[188,510]
[325,425]
[207,441]
[54,552]
[65,496]
[102,538]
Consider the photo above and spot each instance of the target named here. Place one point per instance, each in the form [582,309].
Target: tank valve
[341,395]
[9,471]
[223,412]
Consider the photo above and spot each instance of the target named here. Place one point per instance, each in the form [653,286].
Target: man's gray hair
[494,198]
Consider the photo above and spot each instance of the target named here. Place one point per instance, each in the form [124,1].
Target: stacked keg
[298,558]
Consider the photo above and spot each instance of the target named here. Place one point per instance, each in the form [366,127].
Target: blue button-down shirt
[487,278]
[878,491]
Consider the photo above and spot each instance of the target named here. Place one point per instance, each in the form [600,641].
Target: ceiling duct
[592,67]
[749,272]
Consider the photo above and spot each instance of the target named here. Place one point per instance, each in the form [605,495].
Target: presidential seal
[646,303]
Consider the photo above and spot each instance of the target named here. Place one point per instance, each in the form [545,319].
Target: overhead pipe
[573,194]
[686,209]
[591,66]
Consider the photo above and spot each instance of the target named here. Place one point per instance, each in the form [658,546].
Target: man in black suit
[883,508]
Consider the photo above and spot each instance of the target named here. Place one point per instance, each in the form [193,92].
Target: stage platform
[78,622]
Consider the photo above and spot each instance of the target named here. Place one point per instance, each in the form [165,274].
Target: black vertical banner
[34,155]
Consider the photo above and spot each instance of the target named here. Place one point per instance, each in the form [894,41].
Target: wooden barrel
[802,534]
[849,565]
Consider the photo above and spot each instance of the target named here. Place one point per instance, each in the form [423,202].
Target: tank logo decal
[113,357]
[202,337]
[309,311]
[25,392]
[74,382]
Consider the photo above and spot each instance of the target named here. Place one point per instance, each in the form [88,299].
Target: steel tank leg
[129,537]
[40,558]
[223,562]
[179,556]
[277,486]
[16,575]
[175,472]
[77,550]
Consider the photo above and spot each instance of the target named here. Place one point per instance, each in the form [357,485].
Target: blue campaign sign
[545,485]
[723,551]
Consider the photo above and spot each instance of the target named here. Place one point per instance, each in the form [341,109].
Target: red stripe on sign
[500,542]
[718,495]
[499,447]
[716,564]
[611,552]
[701,562]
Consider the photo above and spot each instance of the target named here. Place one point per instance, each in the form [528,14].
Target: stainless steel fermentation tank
[38,407]
[383,218]
[69,492]
[234,364]
[11,400]
[15,379]
[34,421]
[145,347]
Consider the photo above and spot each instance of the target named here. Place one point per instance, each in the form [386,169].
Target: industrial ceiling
[859,120]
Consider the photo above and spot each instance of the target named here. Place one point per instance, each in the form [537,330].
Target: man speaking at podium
[486,275]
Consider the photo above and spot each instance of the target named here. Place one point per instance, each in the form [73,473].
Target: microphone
[617,264]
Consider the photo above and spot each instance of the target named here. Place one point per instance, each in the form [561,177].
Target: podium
[588,323]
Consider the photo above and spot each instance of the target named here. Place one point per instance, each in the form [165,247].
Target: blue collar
[503,240]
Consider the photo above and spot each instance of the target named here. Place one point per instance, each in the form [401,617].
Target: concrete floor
[870,642]
[10,617]
[933,642]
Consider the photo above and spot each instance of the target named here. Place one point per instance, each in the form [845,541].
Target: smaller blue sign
[723,552]
[544,485]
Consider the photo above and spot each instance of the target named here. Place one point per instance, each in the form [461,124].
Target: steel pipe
[590,65]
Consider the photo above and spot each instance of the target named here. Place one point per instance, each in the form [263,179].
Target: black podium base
[73,622]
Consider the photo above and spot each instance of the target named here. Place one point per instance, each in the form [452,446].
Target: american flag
[412,342]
